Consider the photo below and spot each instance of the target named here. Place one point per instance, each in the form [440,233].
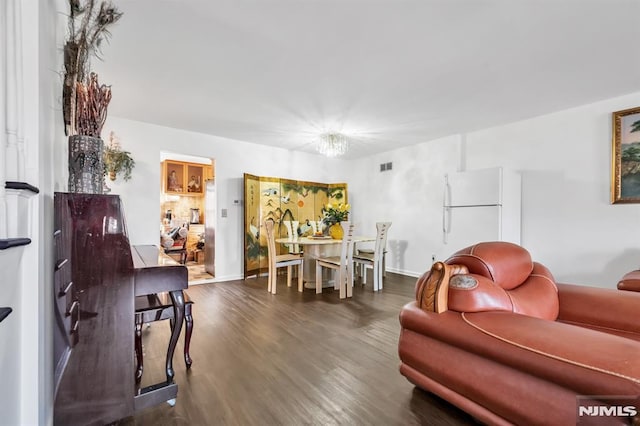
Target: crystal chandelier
[332,144]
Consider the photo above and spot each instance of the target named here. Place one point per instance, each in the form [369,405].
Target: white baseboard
[405,272]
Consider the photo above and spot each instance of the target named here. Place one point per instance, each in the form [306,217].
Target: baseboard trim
[405,272]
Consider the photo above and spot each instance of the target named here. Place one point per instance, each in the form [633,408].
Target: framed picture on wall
[174,177]
[195,175]
[625,168]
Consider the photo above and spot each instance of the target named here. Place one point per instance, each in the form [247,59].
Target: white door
[465,226]
[474,187]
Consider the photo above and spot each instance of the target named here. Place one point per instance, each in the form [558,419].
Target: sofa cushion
[483,296]
[605,309]
[506,264]
[582,351]
[536,297]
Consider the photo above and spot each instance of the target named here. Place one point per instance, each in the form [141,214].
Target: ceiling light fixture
[332,144]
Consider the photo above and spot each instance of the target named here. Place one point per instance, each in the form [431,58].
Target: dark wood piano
[97,275]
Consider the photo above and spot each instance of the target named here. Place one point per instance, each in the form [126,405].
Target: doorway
[188,213]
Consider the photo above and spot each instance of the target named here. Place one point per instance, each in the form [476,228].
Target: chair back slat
[271,240]
[276,261]
[374,259]
[381,239]
[346,250]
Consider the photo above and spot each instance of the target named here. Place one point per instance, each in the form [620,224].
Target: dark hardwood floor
[291,359]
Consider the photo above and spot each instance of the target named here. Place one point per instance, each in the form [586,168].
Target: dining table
[319,247]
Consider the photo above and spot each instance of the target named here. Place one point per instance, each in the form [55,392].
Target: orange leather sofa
[630,281]
[494,334]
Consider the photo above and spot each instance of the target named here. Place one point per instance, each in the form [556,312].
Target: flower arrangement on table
[333,215]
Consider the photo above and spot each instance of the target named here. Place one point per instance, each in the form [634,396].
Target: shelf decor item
[88,31]
[84,100]
[86,168]
[332,216]
[117,161]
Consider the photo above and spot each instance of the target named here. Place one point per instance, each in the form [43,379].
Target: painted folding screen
[281,199]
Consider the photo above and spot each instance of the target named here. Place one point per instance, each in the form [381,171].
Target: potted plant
[117,161]
[332,216]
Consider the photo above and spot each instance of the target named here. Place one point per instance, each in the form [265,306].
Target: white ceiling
[389,73]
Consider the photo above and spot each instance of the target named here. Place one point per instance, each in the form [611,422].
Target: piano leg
[178,318]
[138,348]
[187,336]
[188,330]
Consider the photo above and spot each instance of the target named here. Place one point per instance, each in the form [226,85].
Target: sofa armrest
[630,281]
[608,310]
[432,288]
[583,360]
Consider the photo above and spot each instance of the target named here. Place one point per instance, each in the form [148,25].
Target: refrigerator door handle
[446,224]
[447,192]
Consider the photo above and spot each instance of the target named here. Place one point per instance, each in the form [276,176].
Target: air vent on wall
[386,166]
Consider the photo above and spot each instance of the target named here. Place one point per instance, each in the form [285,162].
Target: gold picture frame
[625,157]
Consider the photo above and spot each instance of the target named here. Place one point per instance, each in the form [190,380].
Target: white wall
[409,196]
[52,32]
[141,195]
[26,394]
[568,223]
[564,158]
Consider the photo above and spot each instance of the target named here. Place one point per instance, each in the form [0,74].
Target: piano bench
[158,307]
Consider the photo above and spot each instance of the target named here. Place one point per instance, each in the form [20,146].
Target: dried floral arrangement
[88,30]
[92,100]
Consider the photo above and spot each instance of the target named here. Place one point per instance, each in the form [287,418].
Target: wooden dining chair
[281,260]
[374,260]
[342,265]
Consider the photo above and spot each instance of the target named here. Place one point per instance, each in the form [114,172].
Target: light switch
[223,212]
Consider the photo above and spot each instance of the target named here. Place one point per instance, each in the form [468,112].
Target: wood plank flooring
[197,274]
[291,359]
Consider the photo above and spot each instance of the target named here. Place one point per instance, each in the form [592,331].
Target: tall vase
[86,170]
[336,232]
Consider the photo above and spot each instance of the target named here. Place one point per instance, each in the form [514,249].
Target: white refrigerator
[209,227]
[480,205]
